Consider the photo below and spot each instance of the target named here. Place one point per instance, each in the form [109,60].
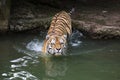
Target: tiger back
[58,32]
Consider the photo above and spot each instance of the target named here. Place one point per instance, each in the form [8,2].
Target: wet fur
[58,33]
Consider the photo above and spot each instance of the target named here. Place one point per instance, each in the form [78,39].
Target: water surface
[87,60]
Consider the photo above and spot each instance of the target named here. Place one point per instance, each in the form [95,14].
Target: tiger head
[56,45]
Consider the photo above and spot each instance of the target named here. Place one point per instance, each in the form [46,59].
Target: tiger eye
[52,44]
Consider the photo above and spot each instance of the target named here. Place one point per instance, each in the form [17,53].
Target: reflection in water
[55,68]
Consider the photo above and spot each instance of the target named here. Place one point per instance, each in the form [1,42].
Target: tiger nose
[58,49]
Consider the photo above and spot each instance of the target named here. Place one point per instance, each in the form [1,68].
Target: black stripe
[67,24]
[62,28]
[60,22]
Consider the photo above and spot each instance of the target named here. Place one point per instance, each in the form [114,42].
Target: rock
[28,16]
[92,19]
[97,31]
[4,15]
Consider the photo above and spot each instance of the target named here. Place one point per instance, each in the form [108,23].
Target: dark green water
[88,60]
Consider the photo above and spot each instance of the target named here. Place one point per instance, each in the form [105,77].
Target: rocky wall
[96,19]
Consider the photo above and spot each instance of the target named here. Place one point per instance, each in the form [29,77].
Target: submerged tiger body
[56,38]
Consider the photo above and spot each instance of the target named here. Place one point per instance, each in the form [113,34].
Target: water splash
[75,38]
[76,43]
[32,48]
[34,45]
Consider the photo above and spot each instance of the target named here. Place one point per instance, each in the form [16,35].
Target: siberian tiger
[56,38]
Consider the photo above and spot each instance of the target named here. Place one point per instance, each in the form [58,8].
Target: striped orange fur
[56,38]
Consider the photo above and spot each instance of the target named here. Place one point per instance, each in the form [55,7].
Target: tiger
[60,29]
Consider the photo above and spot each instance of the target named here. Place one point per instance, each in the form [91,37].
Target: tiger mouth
[56,53]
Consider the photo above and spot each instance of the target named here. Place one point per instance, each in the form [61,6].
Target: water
[87,60]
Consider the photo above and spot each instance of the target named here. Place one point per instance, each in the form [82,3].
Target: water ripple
[16,69]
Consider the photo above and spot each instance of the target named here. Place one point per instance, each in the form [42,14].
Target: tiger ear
[47,37]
